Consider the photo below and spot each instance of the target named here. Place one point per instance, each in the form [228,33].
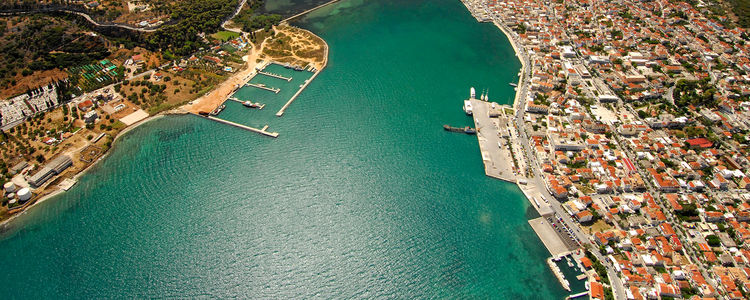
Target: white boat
[473,93]
[513,84]
[467,107]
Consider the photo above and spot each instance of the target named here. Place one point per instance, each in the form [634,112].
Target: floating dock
[277,76]
[263,87]
[256,130]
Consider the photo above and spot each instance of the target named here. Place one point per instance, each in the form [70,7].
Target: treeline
[741,8]
[253,23]
[44,43]
[699,93]
[192,17]
[250,21]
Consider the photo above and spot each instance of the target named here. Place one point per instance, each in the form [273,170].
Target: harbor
[491,123]
[499,146]
[280,79]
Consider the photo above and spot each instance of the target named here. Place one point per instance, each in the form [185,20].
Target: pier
[258,105]
[560,277]
[263,87]
[549,237]
[498,158]
[301,88]
[256,130]
[275,76]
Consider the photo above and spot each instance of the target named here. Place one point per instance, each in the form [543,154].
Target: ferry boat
[467,107]
[513,84]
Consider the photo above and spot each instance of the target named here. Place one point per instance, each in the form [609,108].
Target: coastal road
[537,181]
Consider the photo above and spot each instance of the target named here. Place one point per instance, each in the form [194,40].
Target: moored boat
[467,107]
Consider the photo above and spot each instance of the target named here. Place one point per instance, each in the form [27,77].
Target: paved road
[84,15]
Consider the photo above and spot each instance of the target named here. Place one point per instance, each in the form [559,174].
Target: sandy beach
[216,97]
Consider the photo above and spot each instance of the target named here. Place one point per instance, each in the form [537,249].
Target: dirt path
[216,97]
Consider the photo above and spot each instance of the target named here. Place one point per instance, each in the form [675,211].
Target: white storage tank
[9,187]
[11,202]
[24,194]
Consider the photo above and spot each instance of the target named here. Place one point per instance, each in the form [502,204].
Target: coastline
[520,55]
[54,193]
[186,108]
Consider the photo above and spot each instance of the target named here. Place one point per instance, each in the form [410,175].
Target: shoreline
[185,109]
[520,56]
[59,191]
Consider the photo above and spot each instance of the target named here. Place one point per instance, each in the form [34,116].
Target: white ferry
[467,107]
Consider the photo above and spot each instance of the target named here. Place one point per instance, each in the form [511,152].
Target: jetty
[560,277]
[466,130]
[307,82]
[262,131]
[263,87]
[277,76]
[581,294]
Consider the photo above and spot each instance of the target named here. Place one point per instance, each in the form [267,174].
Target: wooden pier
[263,87]
[275,76]
[256,130]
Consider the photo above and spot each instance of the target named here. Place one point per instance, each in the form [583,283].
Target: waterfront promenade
[534,178]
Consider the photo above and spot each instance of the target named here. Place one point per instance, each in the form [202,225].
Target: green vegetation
[741,8]
[698,93]
[251,22]
[192,17]
[713,241]
[225,35]
[598,267]
[43,43]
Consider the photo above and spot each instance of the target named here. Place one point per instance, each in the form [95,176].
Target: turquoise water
[571,274]
[363,195]
[258,118]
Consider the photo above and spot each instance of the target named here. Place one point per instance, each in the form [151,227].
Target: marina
[253,94]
